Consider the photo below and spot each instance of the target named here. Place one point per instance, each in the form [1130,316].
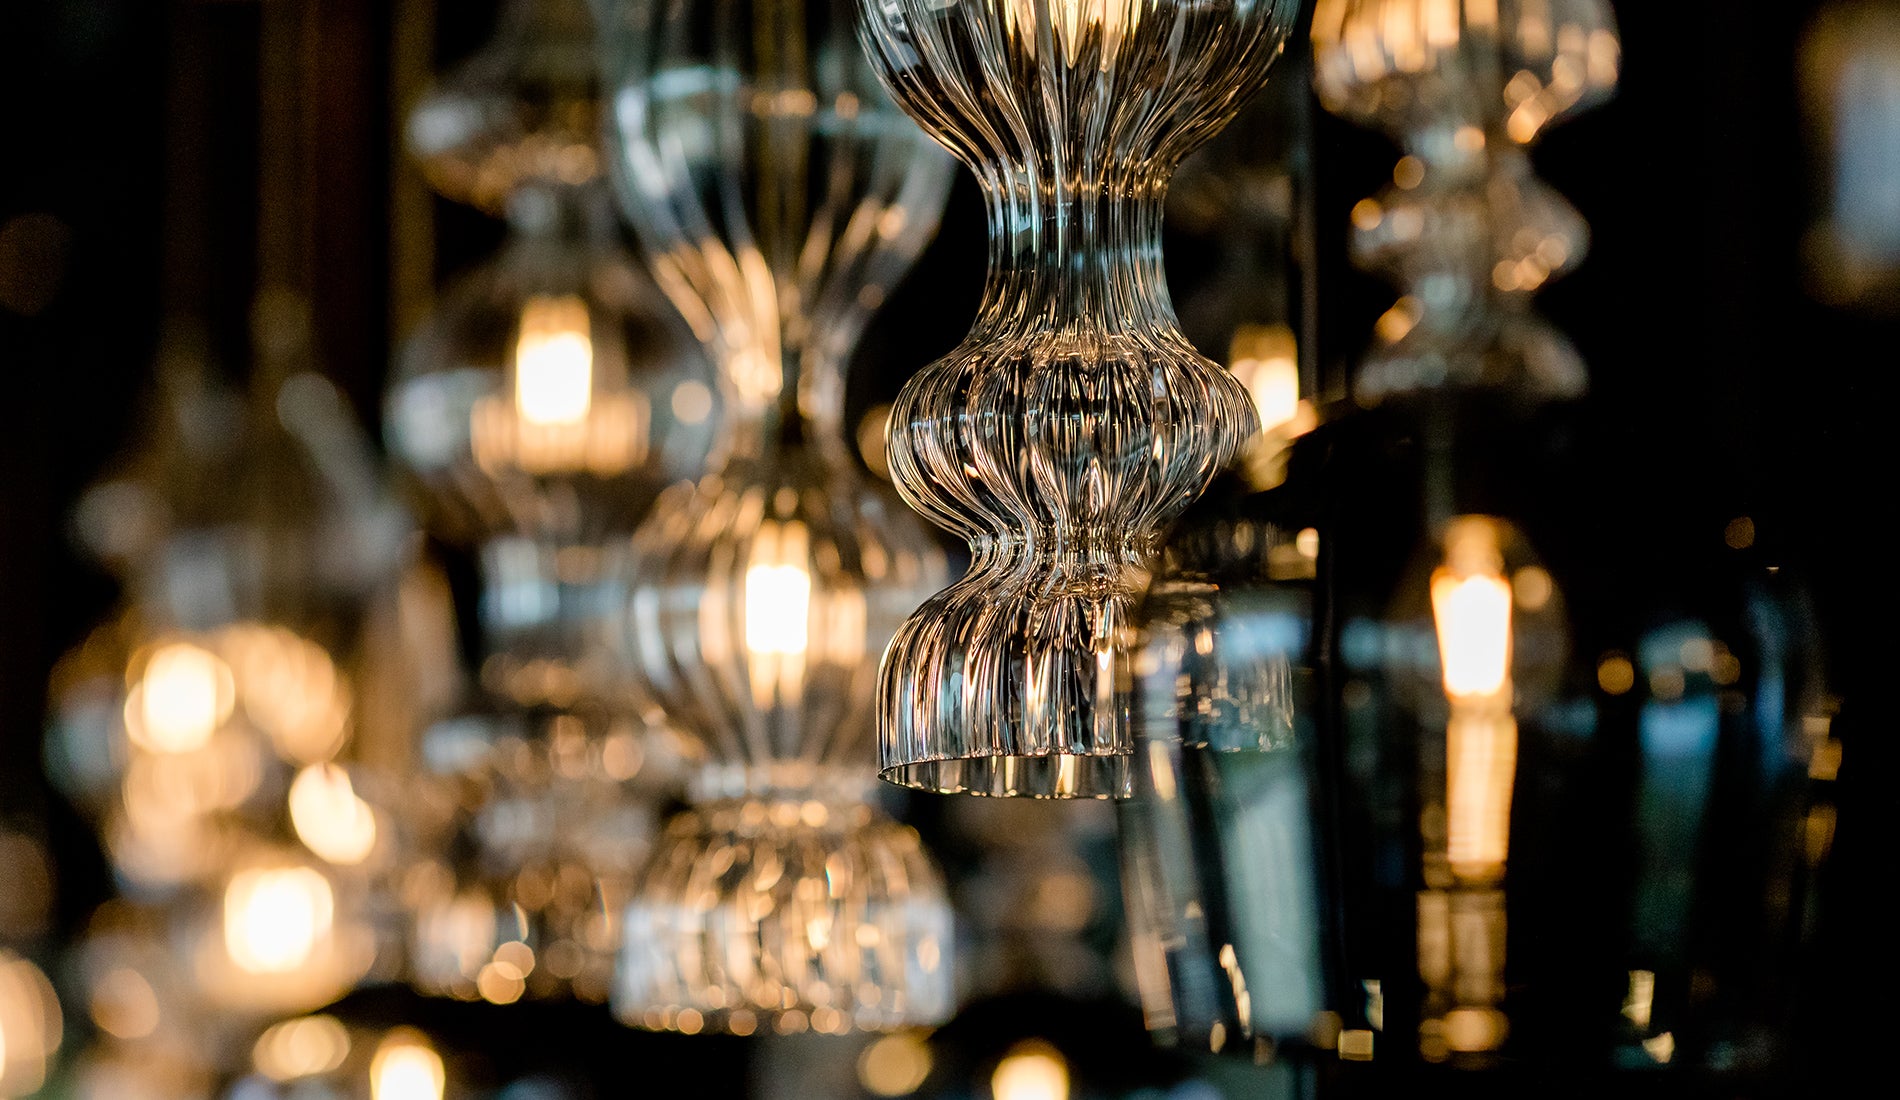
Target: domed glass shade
[1075,420]
[550,817]
[523,111]
[218,706]
[779,196]
[810,910]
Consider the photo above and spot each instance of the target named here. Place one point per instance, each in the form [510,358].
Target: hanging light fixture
[779,196]
[1075,420]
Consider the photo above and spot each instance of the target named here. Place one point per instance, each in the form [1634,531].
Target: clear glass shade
[779,196]
[1075,420]
[1466,229]
[787,911]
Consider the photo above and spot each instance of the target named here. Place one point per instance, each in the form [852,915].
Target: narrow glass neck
[1075,256]
[777,401]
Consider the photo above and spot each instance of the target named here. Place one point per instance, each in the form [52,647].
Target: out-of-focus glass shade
[552,393]
[524,110]
[787,912]
[1465,230]
[276,933]
[1074,421]
[551,818]
[780,196]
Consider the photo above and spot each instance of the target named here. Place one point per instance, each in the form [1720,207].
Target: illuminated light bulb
[329,817]
[1031,1071]
[554,362]
[1266,360]
[406,1067]
[183,695]
[778,591]
[1471,607]
[276,920]
[303,1047]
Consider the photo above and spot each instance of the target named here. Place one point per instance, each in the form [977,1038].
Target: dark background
[130,189]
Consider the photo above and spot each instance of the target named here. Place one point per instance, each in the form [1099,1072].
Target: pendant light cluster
[1356,690]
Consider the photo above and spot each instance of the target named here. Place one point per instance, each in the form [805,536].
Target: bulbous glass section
[1075,420]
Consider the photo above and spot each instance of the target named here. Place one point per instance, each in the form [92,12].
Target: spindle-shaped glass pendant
[1075,420]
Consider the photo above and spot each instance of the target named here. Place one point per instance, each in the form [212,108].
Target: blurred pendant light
[1466,229]
[1075,420]
[541,409]
[780,196]
[553,392]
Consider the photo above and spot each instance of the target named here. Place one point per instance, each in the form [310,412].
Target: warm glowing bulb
[1031,1071]
[778,590]
[183,696]
[275,920]
[1474,633]
[406,1067]
[554,362]
[1266,360]
[329,818]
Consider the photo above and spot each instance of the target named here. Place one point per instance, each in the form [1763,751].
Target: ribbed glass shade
[1075,420]
[779,195]
[787,910]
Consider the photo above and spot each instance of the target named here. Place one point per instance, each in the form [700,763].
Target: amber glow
[328,816]
[301,1048]
[183,695]
[406,1067]
[291,688]
[30,1026]
[896,1065]
[1266,360]
[558,418]
[1031,1071]
[554,362]
[276,920]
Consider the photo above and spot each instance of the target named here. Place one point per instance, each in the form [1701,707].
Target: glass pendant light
[1466,229]
[1075,420]
[779,196]
[553,392]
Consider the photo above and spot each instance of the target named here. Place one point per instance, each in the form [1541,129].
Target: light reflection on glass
[276,920]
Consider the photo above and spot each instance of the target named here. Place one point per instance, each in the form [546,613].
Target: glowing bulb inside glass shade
[275,920]
[1471,606]
[184,694]
[554,362]
[1266,360]
[1031,1071]
[328,816]
[778,611]
[406,1067]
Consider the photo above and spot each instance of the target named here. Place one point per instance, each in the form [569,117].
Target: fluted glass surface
[1075,419]
[779,195]
[795,910]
